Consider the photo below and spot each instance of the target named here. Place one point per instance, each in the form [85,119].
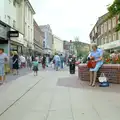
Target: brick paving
[57,95]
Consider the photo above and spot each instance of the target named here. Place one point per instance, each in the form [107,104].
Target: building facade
[57,45]
[48,39]
[12,14]
[29,28]
[38,39]
[104,33]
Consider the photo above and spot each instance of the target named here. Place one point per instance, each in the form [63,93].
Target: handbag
[91,64]
[102,78]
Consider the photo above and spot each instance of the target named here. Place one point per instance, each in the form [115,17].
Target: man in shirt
[57,61]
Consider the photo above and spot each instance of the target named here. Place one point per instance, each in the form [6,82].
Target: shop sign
[13,34]
[3,31]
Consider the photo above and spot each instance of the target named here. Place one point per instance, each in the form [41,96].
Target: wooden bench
[111,71]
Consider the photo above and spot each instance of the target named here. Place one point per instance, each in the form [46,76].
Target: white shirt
[22,59]
[57,58]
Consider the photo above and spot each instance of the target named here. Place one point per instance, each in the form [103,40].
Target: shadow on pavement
[74,82]
[22,72]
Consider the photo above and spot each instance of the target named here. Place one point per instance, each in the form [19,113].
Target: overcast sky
[69,18]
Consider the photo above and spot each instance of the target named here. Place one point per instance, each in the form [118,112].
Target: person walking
[29,62]
[35,67]
[11,61]
[43,61]
[62,61]
[15,63]
[3,59]
[57,61]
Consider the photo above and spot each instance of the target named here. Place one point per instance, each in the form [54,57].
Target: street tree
[114,9]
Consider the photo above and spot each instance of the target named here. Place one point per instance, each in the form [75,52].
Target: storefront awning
[112,45]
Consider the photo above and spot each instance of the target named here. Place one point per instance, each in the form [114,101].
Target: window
[25,29]
[119,35]
[8,20]
[105,27]
[109,24]
[14,24]
[9,1]
[114,22]
[106,40]
[102,29]
[110,38]
[114,36]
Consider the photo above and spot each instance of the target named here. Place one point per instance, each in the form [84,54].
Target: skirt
[2,70]
[35,68]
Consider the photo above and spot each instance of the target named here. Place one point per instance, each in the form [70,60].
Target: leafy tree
[79,47]
[114,9]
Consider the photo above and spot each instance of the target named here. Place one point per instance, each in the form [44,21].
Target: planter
[111,71]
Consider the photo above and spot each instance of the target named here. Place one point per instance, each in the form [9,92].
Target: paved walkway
[57,96]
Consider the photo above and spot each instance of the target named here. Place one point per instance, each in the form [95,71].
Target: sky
[70,18]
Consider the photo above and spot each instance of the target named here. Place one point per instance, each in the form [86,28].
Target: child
[35,67]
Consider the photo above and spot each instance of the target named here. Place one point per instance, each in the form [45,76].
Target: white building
[57,45]
[48,41]
[12,13]
[29,27]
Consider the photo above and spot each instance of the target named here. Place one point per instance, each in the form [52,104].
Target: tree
[79,47]
[114,9]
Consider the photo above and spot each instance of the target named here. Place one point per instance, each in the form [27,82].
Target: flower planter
[111,71]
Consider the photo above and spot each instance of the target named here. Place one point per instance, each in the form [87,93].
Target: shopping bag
[102,78]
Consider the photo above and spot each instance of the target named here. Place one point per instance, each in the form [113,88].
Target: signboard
[13,34]
[3,31]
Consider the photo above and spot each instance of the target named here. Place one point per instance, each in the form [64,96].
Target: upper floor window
[114,22]
[119,35]
[106,40]
[102,29]
[114,36]
[14,24]
[105,27]
[8,20]
[110,38]
[10,1]
[109,24]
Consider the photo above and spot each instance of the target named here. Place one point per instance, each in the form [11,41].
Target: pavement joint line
[21,96]
[50,106]
[70,104]
[96,112]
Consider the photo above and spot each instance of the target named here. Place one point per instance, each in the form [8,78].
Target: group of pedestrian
[58,61]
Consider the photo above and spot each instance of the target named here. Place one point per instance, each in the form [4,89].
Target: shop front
[4,40]
[37,50]
[115,45]
[16,43]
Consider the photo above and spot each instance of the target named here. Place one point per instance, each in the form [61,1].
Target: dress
[15,62]
[35,65]
[97,54]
